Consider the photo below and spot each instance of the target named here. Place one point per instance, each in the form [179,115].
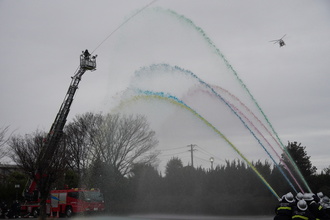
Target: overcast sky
[41,42]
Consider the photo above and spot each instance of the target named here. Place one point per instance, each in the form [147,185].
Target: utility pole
[192,153]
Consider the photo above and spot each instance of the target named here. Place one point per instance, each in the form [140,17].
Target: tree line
[118,155]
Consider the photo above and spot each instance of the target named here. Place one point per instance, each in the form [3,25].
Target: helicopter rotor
[279,41]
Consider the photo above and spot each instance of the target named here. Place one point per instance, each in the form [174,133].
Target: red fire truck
[67,202]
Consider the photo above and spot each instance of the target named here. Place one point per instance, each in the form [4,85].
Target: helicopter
[279,41]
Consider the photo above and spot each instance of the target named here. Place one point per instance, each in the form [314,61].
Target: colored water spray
[233,109]
[255,117]
[176,101]
[258,131]
[218,52]
[122,24]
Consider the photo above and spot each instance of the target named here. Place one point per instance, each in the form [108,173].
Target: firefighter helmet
[289,197]
[326,199]
[299,196]
[320,195]
[302,205]
[308,197]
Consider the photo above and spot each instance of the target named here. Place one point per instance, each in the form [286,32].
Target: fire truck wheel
[68,212]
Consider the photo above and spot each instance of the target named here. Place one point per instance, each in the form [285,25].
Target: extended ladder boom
[55,133]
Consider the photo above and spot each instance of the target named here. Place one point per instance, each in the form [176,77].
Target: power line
[175,153]
[202,159]
[175,148]
[210,154]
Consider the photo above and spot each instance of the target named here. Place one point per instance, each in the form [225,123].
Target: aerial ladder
[87,62]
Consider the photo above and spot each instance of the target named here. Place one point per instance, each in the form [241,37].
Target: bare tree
[121,141]
[79,134]
[3,142]
[27,153]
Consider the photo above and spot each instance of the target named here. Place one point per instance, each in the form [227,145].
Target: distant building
[6,170]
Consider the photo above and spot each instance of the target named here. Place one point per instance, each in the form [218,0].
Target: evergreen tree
[301,159]
[173,167]
[145,188]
